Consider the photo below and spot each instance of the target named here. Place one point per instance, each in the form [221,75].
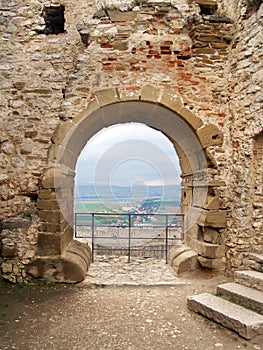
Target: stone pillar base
[69,267]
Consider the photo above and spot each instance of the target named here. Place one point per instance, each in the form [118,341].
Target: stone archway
[61,258]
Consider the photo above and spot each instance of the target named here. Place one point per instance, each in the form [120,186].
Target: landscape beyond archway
[61,258]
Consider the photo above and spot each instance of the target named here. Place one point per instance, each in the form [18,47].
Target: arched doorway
[63,259]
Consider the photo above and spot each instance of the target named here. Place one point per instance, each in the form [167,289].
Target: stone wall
[245,122]
[211,59]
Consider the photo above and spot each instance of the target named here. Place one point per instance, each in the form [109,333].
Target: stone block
[61,132]
[245,296]
[194,232]
[150,93]
[106,97]
[212,264]
[70,267]
[122,16]
[187,196]
[171,100]
[185,262]
[6,267]
[210,135]
[51,216]
[49,244]
[120,45]
[246,323]
[175,252]
[92,107]
[15,223]
[250,278]
[133,95]
[190,118]
[43,204]
[9,251]
[209,250]
[213,218]
[210,235]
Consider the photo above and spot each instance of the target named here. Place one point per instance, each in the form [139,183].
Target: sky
[130,154]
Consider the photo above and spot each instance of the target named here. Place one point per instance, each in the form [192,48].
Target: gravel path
[110,316]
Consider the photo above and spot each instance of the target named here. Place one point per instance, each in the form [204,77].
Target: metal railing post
[166,239]
[92,237]
[129,240]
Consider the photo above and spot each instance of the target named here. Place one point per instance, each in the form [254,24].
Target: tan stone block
[175,252]
[133,95]
[212,264]
[171,100]
[52,154]
[48,244]
[190,118]
[185,262]
[187,196]
[9,251]
[210,135]
[61,132]
[6,267]
[67,236]
[194,232]
[120,45]
[122,16]
[213,218]
[47,204]
[51,216]
[209,250]
[210,235]
[46,194]
[92,107]
[150,93]
[106,97]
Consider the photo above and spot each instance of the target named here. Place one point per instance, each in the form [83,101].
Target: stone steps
[232,309]
[253,261]
[250,278]
[246,323]
[242,295]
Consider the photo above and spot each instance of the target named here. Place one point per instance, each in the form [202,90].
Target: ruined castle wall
[245,83]
[49,79]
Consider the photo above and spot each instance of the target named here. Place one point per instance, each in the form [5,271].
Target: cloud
[126,153]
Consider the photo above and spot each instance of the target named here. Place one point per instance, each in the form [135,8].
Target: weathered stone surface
[242,295]
[246,323]
[120,16]
[150,93]
[71,267]
[184,262]
[210,135]
[174,252]
[106,97]
[212,264]
[250,278]
[213,218]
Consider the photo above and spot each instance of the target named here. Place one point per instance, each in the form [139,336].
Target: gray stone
[250,278]
[245,296]
[246,323]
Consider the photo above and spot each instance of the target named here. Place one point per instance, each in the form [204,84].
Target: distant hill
[83,192]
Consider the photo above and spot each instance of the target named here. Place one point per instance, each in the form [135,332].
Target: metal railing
[130,231]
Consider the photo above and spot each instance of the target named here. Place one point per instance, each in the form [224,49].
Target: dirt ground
[112,317]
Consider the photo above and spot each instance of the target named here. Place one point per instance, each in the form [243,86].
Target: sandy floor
[110,316]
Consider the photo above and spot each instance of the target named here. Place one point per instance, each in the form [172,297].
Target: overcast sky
[128,155]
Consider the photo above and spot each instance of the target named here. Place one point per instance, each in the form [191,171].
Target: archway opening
[130,172]
[62,258]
